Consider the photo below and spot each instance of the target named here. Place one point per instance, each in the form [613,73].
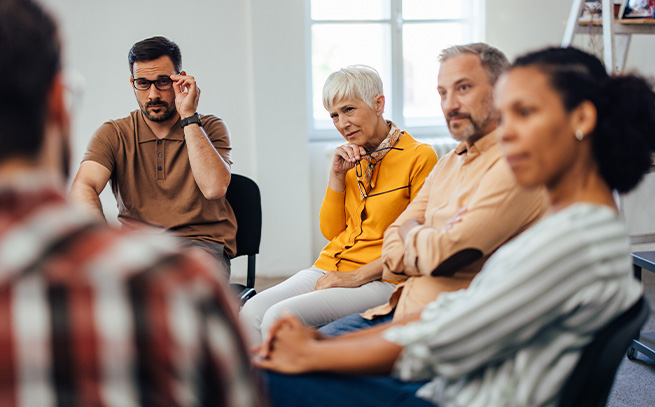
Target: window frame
[477,31]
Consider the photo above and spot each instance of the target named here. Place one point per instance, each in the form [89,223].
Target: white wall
[516,27]
[249,58]
[280,116]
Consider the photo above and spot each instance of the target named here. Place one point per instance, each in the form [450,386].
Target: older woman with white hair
[372,179]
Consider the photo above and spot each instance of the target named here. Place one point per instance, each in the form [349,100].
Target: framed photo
[637,9]
[590,12]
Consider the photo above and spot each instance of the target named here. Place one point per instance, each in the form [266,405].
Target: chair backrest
[245,200]
[592,378]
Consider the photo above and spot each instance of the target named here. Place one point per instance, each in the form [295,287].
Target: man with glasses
[169,166]
[93,315]
[469,206]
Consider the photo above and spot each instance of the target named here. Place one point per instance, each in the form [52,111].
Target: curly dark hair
[624,137]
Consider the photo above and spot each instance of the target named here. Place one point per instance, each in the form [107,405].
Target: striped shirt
[92,316]
[514,336]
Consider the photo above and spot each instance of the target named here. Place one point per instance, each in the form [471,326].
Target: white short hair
[355,81]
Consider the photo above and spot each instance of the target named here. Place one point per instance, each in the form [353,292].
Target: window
[401,40]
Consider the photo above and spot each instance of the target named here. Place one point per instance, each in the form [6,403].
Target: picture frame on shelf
[643,9]
[591,11]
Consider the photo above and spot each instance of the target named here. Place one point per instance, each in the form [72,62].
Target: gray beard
[473,130]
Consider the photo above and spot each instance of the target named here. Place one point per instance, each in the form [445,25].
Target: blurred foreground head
[32,106]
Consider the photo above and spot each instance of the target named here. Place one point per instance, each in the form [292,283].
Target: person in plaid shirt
[93,316]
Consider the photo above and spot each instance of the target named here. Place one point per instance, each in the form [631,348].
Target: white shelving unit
[616,33]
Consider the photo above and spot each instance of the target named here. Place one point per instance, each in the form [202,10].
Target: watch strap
[190,120]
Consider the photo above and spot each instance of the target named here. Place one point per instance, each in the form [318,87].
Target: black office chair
[590,383]
[245,200]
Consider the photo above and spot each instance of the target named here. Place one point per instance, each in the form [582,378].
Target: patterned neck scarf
[382,150]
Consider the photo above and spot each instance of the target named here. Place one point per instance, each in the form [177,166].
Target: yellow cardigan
[355,226]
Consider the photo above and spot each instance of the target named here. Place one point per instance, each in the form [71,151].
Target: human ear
[57,111]
[584,117]
[378,103]
[56,149]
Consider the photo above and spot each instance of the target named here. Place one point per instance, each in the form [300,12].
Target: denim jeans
[352,322]
[330,390]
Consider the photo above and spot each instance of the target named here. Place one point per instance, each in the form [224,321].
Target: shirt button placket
[160,159]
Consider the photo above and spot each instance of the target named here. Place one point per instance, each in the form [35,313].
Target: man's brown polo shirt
[153,183]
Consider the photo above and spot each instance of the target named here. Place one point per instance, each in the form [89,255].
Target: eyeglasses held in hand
[163,83]
[359,173]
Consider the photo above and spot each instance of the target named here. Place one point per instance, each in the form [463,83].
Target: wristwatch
[190,120]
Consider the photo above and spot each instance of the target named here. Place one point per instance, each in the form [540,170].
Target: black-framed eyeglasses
[163,83]
[362,190]
[373,161]
[359,173]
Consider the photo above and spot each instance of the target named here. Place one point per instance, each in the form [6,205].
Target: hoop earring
[579,135]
